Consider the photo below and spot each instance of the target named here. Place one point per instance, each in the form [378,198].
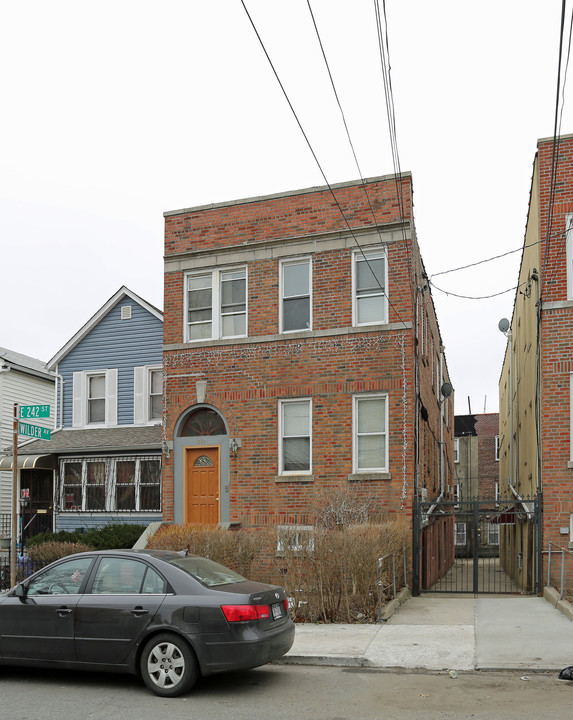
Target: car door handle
[139,611]
[63,611]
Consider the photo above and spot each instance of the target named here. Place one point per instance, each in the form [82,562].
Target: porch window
[123,484]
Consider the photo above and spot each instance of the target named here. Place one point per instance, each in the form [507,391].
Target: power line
[333,194]
[480,297]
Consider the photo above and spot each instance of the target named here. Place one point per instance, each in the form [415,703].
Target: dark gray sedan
[167,616]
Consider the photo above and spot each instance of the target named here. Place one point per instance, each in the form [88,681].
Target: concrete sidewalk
[447,633]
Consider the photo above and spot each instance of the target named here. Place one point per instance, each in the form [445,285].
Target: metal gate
[478,546]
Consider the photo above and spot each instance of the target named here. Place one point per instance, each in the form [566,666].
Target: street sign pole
[14,500]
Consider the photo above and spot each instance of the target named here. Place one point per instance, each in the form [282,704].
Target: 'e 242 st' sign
[31,412]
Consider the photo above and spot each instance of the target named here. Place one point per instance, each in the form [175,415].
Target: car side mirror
[21,590]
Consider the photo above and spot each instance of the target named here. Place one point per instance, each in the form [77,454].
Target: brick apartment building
[302,354]
[536,384]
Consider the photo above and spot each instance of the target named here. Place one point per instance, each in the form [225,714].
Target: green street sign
[34,431]
[31,412]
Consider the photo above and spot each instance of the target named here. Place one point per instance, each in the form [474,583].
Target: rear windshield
[206,571]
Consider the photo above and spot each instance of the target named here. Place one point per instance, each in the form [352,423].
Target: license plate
[277,612]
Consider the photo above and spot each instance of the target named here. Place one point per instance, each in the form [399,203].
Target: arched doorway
[204,429]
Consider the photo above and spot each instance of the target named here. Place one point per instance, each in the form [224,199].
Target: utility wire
[333,194]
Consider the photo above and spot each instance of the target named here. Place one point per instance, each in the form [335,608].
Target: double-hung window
[569,254]
[94,398]
[370,284]
[296,296]
[370,422]
[216,304]
[147,394]
[295,439]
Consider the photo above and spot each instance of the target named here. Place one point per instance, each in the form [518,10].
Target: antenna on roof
[469,406]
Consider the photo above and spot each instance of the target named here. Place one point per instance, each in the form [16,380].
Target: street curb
[552,596]
[325,660]
[389,609]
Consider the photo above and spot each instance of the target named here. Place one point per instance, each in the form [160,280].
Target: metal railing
[565,553]
[394,557]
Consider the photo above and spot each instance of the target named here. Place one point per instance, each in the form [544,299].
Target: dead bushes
[330,569]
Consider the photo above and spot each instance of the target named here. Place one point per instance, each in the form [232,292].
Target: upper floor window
[456,450]
[296,284]
[497,448]
[147,394]
[369,279]
[216,305]
[295,436]
[370,433]
[94,398]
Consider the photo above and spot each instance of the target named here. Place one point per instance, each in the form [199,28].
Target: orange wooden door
[202,485]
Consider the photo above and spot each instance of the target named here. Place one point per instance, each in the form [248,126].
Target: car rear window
[206,571]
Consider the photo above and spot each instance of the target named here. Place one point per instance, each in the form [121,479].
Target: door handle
[139,611]
[63,611]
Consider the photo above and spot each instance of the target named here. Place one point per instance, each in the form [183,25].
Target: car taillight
[240,613]
[285,603]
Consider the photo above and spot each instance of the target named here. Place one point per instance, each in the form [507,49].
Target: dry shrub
[47,552]
[241,550]
[329,572]
[336,580]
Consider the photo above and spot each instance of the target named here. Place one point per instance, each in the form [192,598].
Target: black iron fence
[24,568]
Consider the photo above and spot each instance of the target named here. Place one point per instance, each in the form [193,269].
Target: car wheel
[168,665]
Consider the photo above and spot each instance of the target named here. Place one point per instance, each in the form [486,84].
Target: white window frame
[497,448]
[282,265]
[571,418]
[359,256]
[282,404]
[295,538]
[459,534]
[142,375]
[457,494]
[456,450]
[110,504]
[356,399]
[80,403]
[216,304]
[492,534]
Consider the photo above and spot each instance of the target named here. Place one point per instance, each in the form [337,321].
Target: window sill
[294,478]
[360,477]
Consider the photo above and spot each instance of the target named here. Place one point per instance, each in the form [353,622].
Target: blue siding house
[107,442]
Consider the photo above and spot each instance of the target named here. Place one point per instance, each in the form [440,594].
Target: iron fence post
[562,573]
[549,566]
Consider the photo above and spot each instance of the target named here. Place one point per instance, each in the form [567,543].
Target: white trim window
[370,433]
[216,304]
[456,450]
[94,398]
[497,448]
[492,534]
[369,287]
[295,538]
[111,484]
[296,295]
[295,437]
[569,254]
[571,417]
[461,534]
[147,394]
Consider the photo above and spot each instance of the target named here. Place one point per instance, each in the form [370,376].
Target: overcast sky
[116,111]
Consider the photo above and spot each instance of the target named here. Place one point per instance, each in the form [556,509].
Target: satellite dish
[446,389]
[503,325]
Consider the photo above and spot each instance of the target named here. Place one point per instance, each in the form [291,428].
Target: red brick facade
[556,346]
[333,364]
